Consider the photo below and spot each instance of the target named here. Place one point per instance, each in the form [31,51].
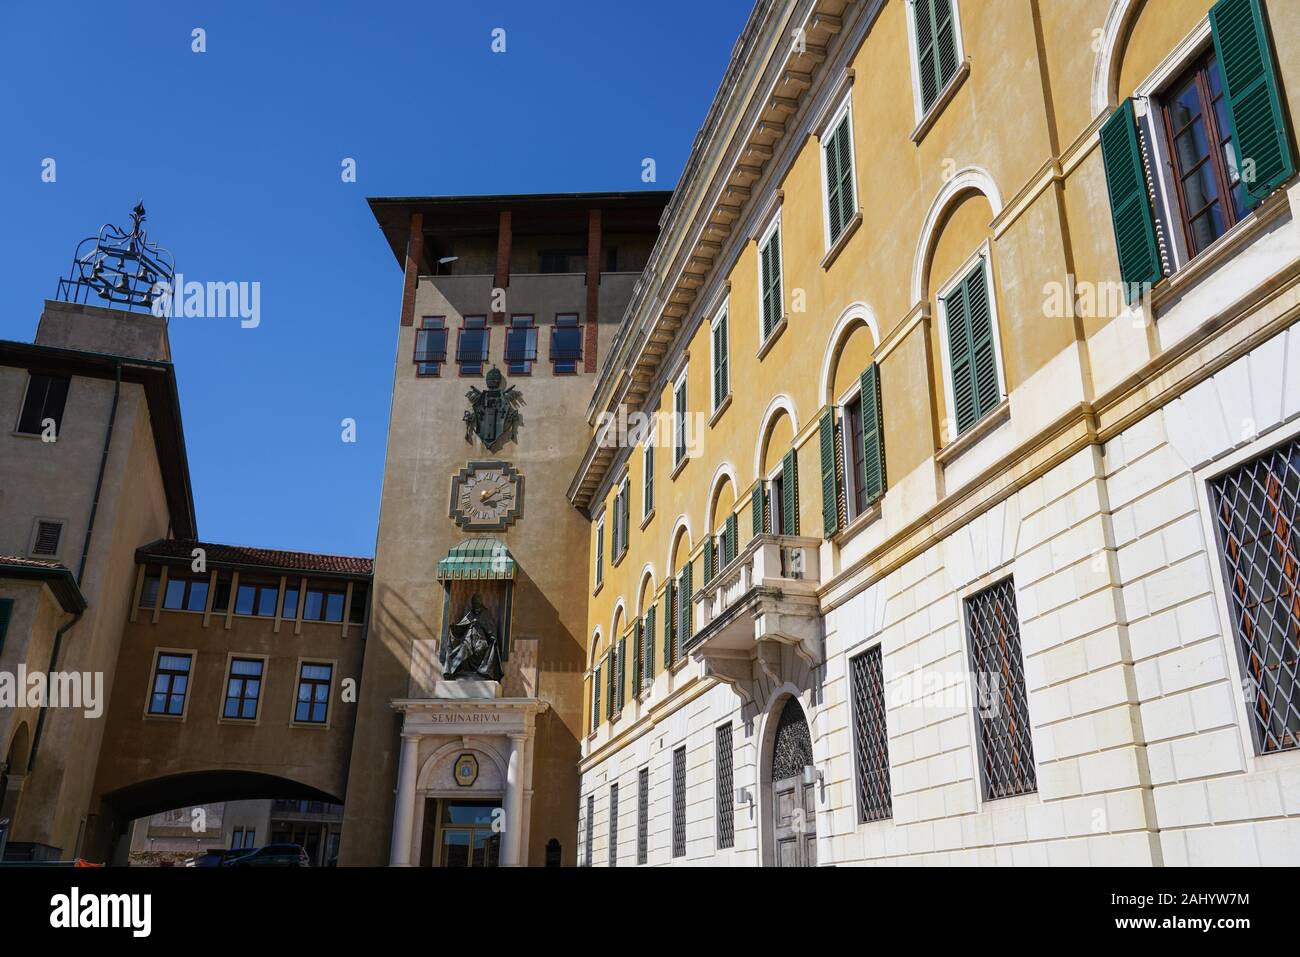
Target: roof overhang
[59,579]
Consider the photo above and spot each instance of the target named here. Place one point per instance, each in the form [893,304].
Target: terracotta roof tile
[31,562]
[180,548]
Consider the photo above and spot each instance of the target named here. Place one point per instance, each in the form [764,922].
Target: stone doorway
[793,803]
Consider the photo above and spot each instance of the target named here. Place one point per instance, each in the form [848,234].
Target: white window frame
[945,357]
[722,317]
[681,391]
[920,111]
[844,109]
[776,503]
[772,228]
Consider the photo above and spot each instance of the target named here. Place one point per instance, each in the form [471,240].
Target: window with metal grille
[430,346]
[643,816]
[45,399]
[591,829]
[1255,511]
[613,825]
[679,802]
[726,784]
[472,345]
[1002,709]
[566,344]
[45,538]
[870,741]
[521,345]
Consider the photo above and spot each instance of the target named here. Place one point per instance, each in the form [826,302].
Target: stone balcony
[759,616]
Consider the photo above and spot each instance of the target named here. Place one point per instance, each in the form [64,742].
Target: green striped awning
[477,558]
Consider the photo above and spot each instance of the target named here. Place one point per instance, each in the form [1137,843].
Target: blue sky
[237,155]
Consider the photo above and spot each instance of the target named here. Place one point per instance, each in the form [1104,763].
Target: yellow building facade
[939,474]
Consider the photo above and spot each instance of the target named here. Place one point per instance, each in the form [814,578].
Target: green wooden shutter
[770,258]
[844,162]
[1254,99]
[627,511]
[708,558]
[609,689]
[6,614]
[833,181]
[638,655]
[684,631]
[729,539]
[936,47]
[830,478]
[965,411]
[649,655]
[622,670]
[988,393]
[670,627]
[595,700]
[790,486]
[756,508]
[873,433]
[1130,205]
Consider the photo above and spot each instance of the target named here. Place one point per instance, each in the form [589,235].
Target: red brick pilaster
[501,278]
[589,329]
[414,255]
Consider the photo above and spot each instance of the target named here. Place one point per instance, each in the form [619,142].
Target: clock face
[487,496]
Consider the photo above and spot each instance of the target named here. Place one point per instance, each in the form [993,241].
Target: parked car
[272,855]
[214,858]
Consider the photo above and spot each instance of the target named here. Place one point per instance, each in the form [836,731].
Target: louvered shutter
[960,359]
[873,433]
[627,510]
[1254,98]
[844,167]
[621,678]
[790,486]
[609,685]
[936,47]
[638,655]
[830,476]
[595,699]
[729,538]
[684,629]
[648,656]
[770,260]
[670,626]
[708,558]
[985,363]
[756,509]
[833,187]
[1130,204]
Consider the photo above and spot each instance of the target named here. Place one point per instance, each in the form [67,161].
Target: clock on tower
[487,496]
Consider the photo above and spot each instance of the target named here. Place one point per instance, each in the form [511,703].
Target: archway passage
[109,830]
[793,803]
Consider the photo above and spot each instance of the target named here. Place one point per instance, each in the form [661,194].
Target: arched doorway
[792,803]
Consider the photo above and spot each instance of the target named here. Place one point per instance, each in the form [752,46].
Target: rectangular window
[857,453]
[870,741]
[257,598]
[360,597]
[679,802]
[472,345]
[679,420]
[243,688]
[726,785]
[771,298]
[324,603]
[45,399]
[647,481]
[430,346]
[186,594]
[289,609]
[521,345]
[643,816]
[243,838]
[1255,515]
[613,825]
[600,553]
[837,154]
[972,355]
[221,600]
[171,681]
[936,47]
[312,706]
[721,367]
[591,828]
[566,344]
[1207,178]
[1002,707]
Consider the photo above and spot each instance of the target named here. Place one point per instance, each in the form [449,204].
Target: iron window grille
[870,741]
[613,825]
[726,784]
[472,345]
[679,802]
[1002,708]
[313,693]
[521,345]
[643,816]
[171,682]
[430,346]
[1255,510]
[243,688]
[45,399]
[566,344]
[590,829]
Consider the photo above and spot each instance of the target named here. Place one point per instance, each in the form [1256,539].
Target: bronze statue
[472,650]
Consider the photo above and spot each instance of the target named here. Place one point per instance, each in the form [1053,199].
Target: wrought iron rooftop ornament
[119,267]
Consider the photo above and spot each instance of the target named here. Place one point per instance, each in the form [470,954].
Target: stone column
[512,849]
[404,811]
